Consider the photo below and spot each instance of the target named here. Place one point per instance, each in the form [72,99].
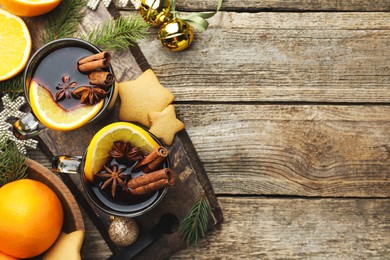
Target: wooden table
[287,105]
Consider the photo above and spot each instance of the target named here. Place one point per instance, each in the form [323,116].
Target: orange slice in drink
[29,7]
[15,45]
[53,116]
[102,143]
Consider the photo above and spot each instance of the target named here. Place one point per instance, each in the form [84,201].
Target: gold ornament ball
[155,12]
[176,35]
[123,231]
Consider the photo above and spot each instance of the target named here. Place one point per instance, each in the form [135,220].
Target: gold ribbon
[198,20]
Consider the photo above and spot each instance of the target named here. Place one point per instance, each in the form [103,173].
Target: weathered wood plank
[267,228]
[300,150]
[291,5]
[291,149]
[310,228]
[280,5]
[291,57]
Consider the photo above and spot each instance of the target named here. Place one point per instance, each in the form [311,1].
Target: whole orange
[6,257]
[31,218]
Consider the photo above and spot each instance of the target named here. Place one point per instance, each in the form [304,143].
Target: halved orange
[55,117]
[102,143]
[15,45]
[29,8]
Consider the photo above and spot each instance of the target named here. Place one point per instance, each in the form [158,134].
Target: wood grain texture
[277,228]
[280,57]
[304,150]
[274,228]
[283,5]
[280,5]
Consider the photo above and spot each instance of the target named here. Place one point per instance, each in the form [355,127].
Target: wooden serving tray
[192,180]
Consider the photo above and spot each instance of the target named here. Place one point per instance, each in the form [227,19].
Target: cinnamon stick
[151,181]
[153,160]
[94,62]
[142,180]
[99,77]
[160,184]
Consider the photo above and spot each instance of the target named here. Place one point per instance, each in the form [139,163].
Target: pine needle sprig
[64,20]
[195,225]
[13,85]
[12,162]
[118,34]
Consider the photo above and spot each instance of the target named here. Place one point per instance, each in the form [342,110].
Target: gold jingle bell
[176,35]
[155,12]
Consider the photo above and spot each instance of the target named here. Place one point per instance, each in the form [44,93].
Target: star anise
[113,176]
[124,151]
[89,95]
[65,88]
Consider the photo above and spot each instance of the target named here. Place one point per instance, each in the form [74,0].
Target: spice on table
[99,77]
[89,95]
[124,151]
[114,176]
[94,62]
[151,181]
[153,160]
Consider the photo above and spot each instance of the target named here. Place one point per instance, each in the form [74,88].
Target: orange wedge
[53,116]
[29,8]
[102,143]
[15,45]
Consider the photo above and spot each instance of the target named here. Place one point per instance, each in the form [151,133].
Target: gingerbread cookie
[142,96]
[165,125]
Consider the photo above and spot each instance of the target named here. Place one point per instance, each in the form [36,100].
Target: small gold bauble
[155,12]
[123,231]
[176,35]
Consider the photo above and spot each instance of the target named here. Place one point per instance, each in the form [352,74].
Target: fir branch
[64,20]
[13,85]
[194,226]
[12,162]
[118,34]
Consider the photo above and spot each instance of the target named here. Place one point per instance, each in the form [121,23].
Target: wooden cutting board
[192,179]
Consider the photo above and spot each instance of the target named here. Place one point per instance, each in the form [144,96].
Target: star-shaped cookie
[142,96]
[165,124]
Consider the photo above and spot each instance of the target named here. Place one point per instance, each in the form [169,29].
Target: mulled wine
[59,71]
[61,96]
[125,170]
[123,200]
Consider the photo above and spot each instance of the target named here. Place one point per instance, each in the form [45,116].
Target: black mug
[29,125]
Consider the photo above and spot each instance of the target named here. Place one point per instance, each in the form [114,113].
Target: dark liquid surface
[51,70]
[123,201]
